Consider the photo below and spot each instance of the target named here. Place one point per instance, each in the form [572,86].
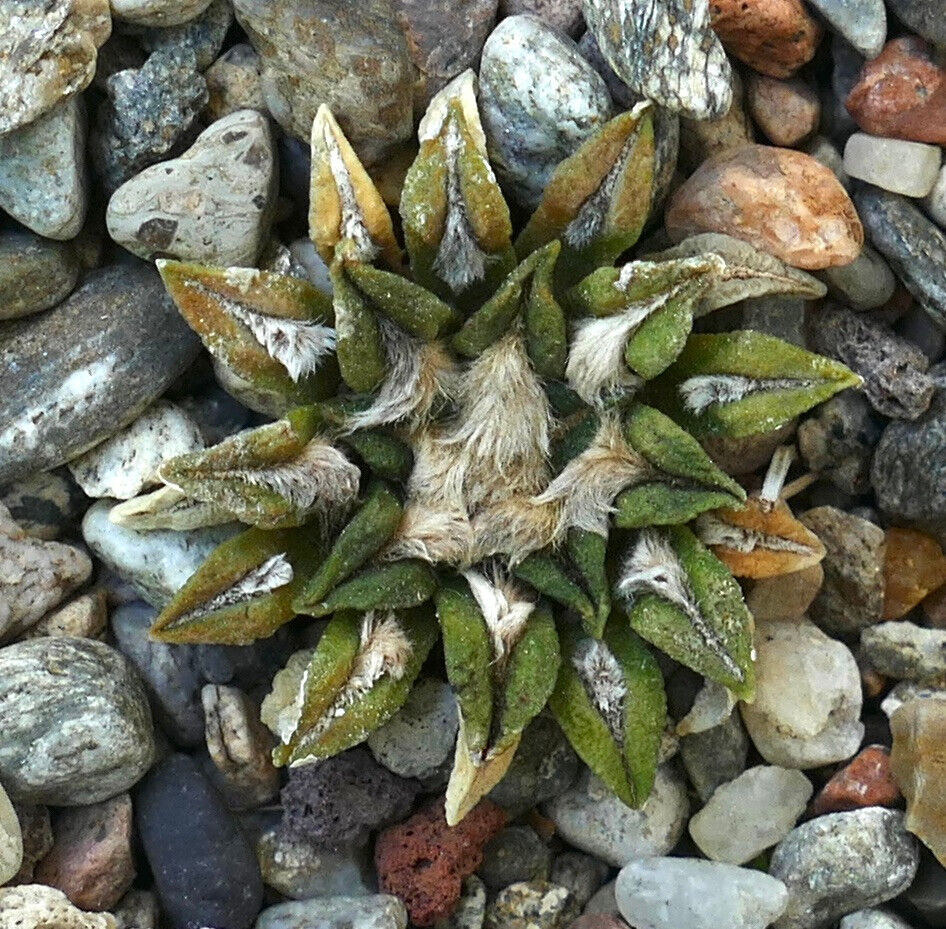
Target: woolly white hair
[705,390]
[460,261]
[273,573]
[353,226]
[420,375]
[320,477]
[653,567]
[505,610]
[604,682]
[714,531]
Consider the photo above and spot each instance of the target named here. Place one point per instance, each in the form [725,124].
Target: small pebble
[37,831]
[582,874]
[703,138]
[914,566]
[784,596]
[873,919]
[36,906]
[591,818]
[157,12]
[808,697]
[377,911]
[716,756]
[11,839]
[778,200]
[531,124]
[901,94]
[824,151]
[138,909]
[908,168]
[747,815]
[905,651]
[787,111]
[775,37]
[213,204]
[863,23]
[470,911]
[35,273]
[418,740]
[156,563]
[43,180]
[91,858]
[84,616]
[935,202]
[300,869]
[516,854]
[865,284]
[204,869]
[668,893]
[46,504]
[531,905]
[843,862]
[233,82]
[866,780]
[203,35]
[852,595]
[564,15]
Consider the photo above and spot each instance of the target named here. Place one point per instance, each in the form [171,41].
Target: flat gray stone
[379,911]
[42,172]
[35,273]
[77,728]
[862,22]
[532,122]
[74,376]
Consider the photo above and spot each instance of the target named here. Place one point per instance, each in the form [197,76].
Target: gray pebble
[582,874]
[470,911]
[715,756]
[915,247]
[864,284]
[873,919]
[842,862]
[379,911]
[74,376]
[591,818]
[906,651]
[77,728]
[42,172]
[920,328]
[862,22]
[543,767]
[922,16]
[532,122]
[838,440]
[419,738]
[852,595]
[894,370]
[203,35]
[150,115]
[301,870]
[35,273]
[516,854]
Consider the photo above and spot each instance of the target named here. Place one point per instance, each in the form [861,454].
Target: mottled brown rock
[444,37]
[914,567]
[901,94]
[37,830]
[866,780]
[352,56]
[787,111]
[919,766]
[779,200]
[90,861]
[785,595]
[776,37]
[423,861]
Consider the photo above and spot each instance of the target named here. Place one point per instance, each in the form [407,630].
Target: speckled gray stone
[34,575]
[35,273]
[74,376]
[915,247]
[715,756]
[301,870]
[355,58]
[43,180]
[862,22]
[842,862]
[531,905]
[873,919]
[378,911]
[45,504]
[532,122]
[125,464]
[47,53]
[420,737]
[156,563]
[470,910]
[666,50]
[77,728]
[203,35]
[590,817]
[906,651]
[516,854]
[149,115]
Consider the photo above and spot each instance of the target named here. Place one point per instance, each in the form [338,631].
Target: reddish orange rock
[901,94]
[914,566]
[866,780]
[423,860]
[776,37]
[787,111]
[779,200]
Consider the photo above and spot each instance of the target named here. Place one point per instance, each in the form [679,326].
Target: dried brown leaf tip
[459,437]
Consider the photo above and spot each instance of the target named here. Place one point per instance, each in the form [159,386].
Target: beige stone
[84,616]
[158,12]
[787,111]
[35,906]
[11,839]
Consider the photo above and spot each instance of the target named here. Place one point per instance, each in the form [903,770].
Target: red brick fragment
[424,861]
[866,780]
